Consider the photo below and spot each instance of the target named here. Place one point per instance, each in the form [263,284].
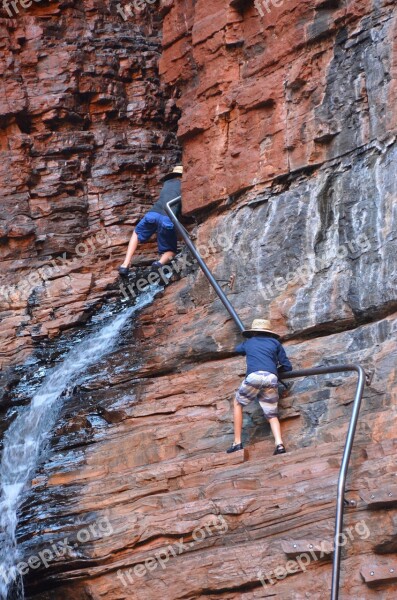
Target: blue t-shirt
[264,353]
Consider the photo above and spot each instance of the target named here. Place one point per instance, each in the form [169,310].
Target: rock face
[266,97]
[288,134]
[86,130]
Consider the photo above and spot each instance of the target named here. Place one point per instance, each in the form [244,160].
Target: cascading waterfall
[25,438]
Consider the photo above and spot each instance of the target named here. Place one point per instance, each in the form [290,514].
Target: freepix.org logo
[97,530]
[215,526]
[12,6]
[128,10]
[266,5]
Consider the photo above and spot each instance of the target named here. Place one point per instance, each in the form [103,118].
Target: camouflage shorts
[261,386]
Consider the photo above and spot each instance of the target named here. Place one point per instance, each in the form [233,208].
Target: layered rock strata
[86,131]
[288,132]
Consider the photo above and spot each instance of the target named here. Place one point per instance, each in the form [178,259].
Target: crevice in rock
[366,318]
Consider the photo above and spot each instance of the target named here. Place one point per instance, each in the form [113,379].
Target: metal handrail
[345,460]
[225,301]
[292,375]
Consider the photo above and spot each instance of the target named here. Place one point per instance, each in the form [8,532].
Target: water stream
[26,438]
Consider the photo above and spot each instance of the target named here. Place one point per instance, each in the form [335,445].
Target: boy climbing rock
[266,359]
[157,220]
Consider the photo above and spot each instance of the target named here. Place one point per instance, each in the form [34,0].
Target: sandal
[234,448]
[280,449]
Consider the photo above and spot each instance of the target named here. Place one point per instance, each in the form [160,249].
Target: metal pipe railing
[343,368]
[225,301]
[345,460]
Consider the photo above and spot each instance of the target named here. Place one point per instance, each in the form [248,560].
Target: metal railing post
[340,497]
[342,483]
[292,375]
[204,268]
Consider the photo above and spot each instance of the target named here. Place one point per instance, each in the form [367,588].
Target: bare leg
[132,246]
[167,257]
[238,422]
[276,430]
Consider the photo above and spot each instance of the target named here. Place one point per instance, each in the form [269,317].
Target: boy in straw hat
[157,220]
[266,359]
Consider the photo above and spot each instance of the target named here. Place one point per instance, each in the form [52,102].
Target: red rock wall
[267,96]
[86,130]
[288,134]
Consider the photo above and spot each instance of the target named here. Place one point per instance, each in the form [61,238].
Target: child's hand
[284,389]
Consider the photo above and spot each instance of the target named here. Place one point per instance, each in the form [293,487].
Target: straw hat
[178,170]
[260,326]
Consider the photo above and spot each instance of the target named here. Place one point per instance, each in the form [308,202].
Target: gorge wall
[287,127]
[86,131]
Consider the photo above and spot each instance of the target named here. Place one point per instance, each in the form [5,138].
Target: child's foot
[234,448]
[157,264]
[280,449]
[124,271]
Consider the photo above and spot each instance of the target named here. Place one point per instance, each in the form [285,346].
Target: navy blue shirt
[170,190]
[264,353]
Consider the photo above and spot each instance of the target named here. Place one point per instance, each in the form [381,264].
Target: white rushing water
[26,437]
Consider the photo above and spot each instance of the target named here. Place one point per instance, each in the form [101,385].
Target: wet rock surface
[287,128]
[86,132]
[160,452]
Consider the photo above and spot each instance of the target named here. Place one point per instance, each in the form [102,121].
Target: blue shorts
[154,222]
